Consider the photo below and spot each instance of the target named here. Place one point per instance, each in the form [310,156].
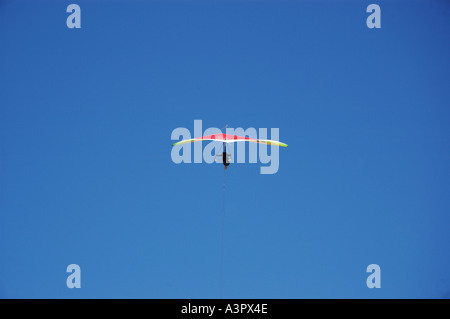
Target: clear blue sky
[86,175]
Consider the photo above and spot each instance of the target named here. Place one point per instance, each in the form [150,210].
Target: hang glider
[228,138]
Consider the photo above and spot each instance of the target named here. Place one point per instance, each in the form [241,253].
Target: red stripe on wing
[227,137]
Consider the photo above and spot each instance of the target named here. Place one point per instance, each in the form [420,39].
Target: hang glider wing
[228,138]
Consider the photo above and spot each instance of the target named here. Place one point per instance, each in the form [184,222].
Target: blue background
[86,175]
